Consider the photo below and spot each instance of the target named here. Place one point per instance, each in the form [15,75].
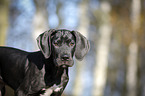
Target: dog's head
[62,45]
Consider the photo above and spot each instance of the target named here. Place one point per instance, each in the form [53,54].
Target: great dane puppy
[45,72]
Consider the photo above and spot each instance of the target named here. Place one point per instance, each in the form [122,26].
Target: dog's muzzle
[65,61]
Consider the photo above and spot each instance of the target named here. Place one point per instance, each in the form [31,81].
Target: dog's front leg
[58,89]
[20,93]
[64,79]
[48,92]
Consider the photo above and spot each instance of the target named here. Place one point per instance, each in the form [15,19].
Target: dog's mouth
[64,63]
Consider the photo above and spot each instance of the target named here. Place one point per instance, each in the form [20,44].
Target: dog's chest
[37,80]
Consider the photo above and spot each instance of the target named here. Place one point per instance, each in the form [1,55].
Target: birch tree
[4,10]
[40,21]
[133,50]
[100,72]
[83,28]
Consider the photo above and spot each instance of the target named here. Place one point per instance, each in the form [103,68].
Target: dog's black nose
[65,57]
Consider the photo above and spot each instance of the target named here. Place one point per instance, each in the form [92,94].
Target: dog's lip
[65,64]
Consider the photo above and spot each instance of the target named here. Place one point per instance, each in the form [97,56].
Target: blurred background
[115,64]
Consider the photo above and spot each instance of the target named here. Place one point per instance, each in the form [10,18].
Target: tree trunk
[83,28]
[40,21]
[133,50]
[100,74]
[4,10]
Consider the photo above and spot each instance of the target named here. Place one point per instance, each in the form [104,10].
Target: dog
[44,72]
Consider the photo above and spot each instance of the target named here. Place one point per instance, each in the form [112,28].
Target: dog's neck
[51,68]
[56,72]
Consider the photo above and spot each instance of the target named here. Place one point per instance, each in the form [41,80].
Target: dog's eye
[55,43]
[72,43]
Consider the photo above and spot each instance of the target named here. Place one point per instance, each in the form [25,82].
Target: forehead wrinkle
[63,35]
[67,34]
[58,34]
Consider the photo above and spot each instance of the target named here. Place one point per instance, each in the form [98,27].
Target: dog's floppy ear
[82,45]
[44,42]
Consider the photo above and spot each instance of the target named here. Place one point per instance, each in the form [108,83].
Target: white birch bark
[133,50]
[40,21]
[100,72]
[132,69]
[83,28]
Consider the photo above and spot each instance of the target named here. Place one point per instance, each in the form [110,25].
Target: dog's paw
[47,92]
[57,88]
